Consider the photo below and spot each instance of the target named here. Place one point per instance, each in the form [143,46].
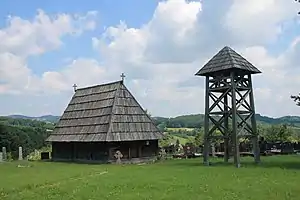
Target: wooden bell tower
[229,104]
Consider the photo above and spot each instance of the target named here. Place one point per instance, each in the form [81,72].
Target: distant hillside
[45,118]
[195,121]
[290,120]
[187,121]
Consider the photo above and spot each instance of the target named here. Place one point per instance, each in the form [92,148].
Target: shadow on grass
[283,162]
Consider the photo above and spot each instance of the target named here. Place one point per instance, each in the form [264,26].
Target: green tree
[177,143]
[199,138]
[162,127]
[165,141]
[276,133]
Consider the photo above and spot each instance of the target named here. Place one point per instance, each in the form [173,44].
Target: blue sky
[110,13]
[159,45]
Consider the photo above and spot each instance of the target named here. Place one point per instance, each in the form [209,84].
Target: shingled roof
[227,59]
[107,112]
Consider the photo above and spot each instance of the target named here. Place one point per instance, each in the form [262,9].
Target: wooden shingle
[226,60]
[107,112]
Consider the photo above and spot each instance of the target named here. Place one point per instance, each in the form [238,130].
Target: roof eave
[199,73]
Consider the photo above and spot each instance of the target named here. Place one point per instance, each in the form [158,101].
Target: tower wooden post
[256,150]
[234,133]
[206,126]
[226,124]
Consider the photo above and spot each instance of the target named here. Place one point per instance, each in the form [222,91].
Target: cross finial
[122,76]
[75,87]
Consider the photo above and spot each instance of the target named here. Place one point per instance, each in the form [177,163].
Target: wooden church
[101,120]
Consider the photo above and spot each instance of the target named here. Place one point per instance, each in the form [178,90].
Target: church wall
[103,151]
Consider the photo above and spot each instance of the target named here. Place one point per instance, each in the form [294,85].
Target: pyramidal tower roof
[226,60]
[107,112]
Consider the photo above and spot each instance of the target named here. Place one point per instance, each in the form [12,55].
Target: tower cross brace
[230,99]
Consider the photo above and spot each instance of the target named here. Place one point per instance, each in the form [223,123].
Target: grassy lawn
[278,177]
[181,139]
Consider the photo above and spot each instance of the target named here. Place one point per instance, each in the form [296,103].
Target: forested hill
[184,121]
[27,133]
[195,121]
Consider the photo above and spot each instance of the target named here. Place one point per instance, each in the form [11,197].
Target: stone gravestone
[4,154]
[213,150]
[1,157]
[118,155]
[20,153]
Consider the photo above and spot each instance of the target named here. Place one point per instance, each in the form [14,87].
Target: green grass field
[277,178]
[182,129]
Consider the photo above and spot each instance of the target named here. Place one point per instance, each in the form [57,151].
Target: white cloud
[259,22]
[14,73]
[22,38]
[43,33]
[161,57]
[83,72]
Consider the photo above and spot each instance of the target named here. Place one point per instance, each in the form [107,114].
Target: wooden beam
[244,122]
[236,153]
[219,89]
[206,124]
[129,153]
[217,100]
[243,100]
[254,125]
[220,113]
[139,150]
[227,133]
[217,125]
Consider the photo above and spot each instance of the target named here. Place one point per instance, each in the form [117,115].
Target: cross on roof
[75,87]
[122,76]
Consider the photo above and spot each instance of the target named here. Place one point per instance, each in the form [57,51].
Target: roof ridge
[105,84]
[112,110]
